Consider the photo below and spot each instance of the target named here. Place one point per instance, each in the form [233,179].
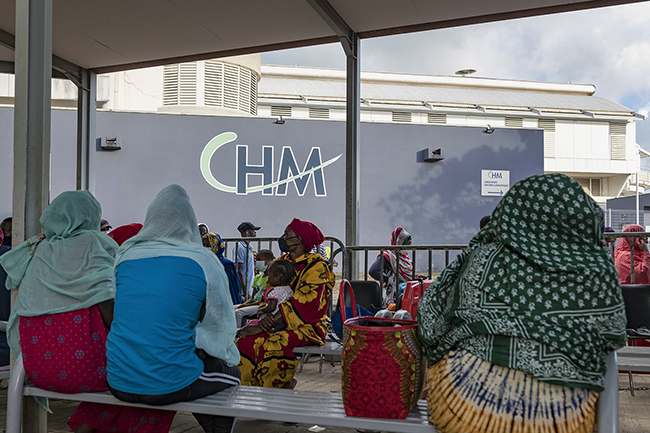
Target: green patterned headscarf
[534,291]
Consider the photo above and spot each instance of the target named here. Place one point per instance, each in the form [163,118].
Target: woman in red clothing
[641,258]
[267,359]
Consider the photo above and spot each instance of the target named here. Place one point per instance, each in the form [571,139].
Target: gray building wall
[436,202]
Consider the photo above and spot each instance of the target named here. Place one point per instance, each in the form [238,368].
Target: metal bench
[329,348]
[634,358]
[283,405]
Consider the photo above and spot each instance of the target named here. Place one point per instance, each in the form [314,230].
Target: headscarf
[622,257]
[124,233]
[217,245]
[170,229]
[623,246]
[535,290]
[67,268]
[399,236]
[308,232]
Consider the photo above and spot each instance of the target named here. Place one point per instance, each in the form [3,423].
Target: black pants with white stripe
[216,376]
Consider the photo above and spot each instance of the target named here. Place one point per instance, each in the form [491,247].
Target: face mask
[260,266]
[284,247]
[282,243]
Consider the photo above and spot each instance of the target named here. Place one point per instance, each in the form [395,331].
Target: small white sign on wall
[495,182]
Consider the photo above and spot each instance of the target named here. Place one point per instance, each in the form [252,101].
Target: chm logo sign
[288,169]
[495,175]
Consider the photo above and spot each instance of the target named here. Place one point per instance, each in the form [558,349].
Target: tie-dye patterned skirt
[468,394]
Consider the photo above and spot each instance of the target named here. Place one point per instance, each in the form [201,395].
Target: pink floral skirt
[66,353]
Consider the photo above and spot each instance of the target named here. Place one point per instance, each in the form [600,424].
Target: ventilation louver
[401,116]
[617,132]
[437,118]
[319,113]
[280,111]
[548,125]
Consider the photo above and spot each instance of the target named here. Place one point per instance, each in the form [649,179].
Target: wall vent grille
[548,125]
[280,111]
[437,118]
[213,83]
[617,139]
[515,122]
[179,84]
[401,116]
[224,85]
[319,113]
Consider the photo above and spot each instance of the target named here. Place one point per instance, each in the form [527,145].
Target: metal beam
[86,114]
[7,40]
[32,113]
[351,45]
[332,18]
[64,68]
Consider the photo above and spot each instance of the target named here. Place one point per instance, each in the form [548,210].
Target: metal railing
[355,251]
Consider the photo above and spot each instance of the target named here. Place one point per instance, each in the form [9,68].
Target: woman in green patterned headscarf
[516,329]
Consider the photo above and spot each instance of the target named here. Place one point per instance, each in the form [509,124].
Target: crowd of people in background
[156,314]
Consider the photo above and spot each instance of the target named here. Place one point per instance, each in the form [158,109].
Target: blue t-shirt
[151,347]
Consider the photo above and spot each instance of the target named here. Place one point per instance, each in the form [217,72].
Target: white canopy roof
[115,35]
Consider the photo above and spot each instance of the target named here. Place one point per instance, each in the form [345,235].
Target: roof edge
[302,73]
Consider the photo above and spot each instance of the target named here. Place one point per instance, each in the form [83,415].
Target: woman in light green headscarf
[64,309]
[516,329]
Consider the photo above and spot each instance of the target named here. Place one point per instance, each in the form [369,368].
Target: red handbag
[412,295]
[382,365]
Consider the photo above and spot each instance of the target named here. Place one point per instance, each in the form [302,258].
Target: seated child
[246,309]
[281,273]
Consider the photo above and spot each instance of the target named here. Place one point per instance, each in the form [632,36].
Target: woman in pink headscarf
[397,266]
[641,258]
[267,359]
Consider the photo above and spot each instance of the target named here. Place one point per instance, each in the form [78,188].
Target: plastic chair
[637,310]
[366,293]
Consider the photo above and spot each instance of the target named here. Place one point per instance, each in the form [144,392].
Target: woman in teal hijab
[64,311]
[517,328]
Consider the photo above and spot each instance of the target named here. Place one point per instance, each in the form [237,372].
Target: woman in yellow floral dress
[267,359]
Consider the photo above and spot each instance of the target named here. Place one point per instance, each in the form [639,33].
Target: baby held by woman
[281,273]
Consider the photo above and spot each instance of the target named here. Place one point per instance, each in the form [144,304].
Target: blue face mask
[260,265]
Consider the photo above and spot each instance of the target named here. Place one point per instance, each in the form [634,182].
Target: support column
[352,172]
[32,112]
[351,45]
[86,115]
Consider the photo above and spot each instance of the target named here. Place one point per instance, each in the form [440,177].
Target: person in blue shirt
[173,331]
[244,256]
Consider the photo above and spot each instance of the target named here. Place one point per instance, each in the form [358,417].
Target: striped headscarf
[399,236]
